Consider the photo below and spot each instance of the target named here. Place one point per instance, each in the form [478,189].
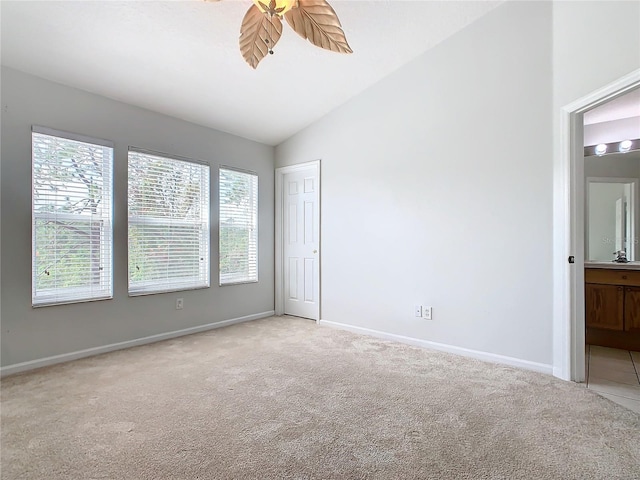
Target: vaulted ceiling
[181,57]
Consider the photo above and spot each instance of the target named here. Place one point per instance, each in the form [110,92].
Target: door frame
[279,233]
[568,228]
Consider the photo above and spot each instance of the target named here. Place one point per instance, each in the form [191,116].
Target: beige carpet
[283,398]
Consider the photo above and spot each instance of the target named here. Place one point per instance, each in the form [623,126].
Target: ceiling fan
[314,20]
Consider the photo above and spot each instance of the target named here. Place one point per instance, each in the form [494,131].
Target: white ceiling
[626,106]
[181,57]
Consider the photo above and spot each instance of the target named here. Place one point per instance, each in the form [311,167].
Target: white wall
[31,334]
[594,44]
[437,189]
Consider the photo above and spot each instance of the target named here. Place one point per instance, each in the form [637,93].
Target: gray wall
[437,190]
[625,165]
[30,334]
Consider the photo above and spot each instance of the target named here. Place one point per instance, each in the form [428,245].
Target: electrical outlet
[418,310]
[427,313]
[179,303]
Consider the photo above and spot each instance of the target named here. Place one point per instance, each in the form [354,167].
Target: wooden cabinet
[612,308]
[605,306]
[632,309]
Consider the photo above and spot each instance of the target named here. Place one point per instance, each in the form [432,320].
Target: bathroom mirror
[612,208]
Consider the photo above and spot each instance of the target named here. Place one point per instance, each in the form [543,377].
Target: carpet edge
[443,347]
[67,357]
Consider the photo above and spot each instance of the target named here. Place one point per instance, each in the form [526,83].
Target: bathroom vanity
[612,305]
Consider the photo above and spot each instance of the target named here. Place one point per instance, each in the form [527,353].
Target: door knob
[315,251]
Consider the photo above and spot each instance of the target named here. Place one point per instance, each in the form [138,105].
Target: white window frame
[251,276]
[198,281]
[42,297]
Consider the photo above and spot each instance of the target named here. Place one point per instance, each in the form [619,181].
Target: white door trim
[568,236]
[279,243]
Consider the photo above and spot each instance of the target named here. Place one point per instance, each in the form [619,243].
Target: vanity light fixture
[612,148]
[625,146]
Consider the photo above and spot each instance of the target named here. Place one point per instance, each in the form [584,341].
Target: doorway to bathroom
[612,265]
[569,230]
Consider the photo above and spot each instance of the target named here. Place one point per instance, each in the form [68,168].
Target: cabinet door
[632,309]
[604,306]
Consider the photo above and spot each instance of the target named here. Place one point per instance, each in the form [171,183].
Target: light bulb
[601,149]
[625,146]
[274,7]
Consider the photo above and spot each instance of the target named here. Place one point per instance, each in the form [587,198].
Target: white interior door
[301,241]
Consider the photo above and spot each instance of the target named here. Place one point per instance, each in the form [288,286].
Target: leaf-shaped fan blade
[258,34]
[316,21]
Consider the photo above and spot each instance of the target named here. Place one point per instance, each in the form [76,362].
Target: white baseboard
[465,352]
[66,357]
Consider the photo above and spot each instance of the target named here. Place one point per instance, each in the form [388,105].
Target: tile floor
[614,374]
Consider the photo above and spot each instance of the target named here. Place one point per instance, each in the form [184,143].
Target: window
[168,223]
[238,227]
[71,218]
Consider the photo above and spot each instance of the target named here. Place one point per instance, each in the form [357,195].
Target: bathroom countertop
[613,265]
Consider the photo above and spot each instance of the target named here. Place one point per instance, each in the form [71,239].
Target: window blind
[238,226]
[71,218]
[168,223]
